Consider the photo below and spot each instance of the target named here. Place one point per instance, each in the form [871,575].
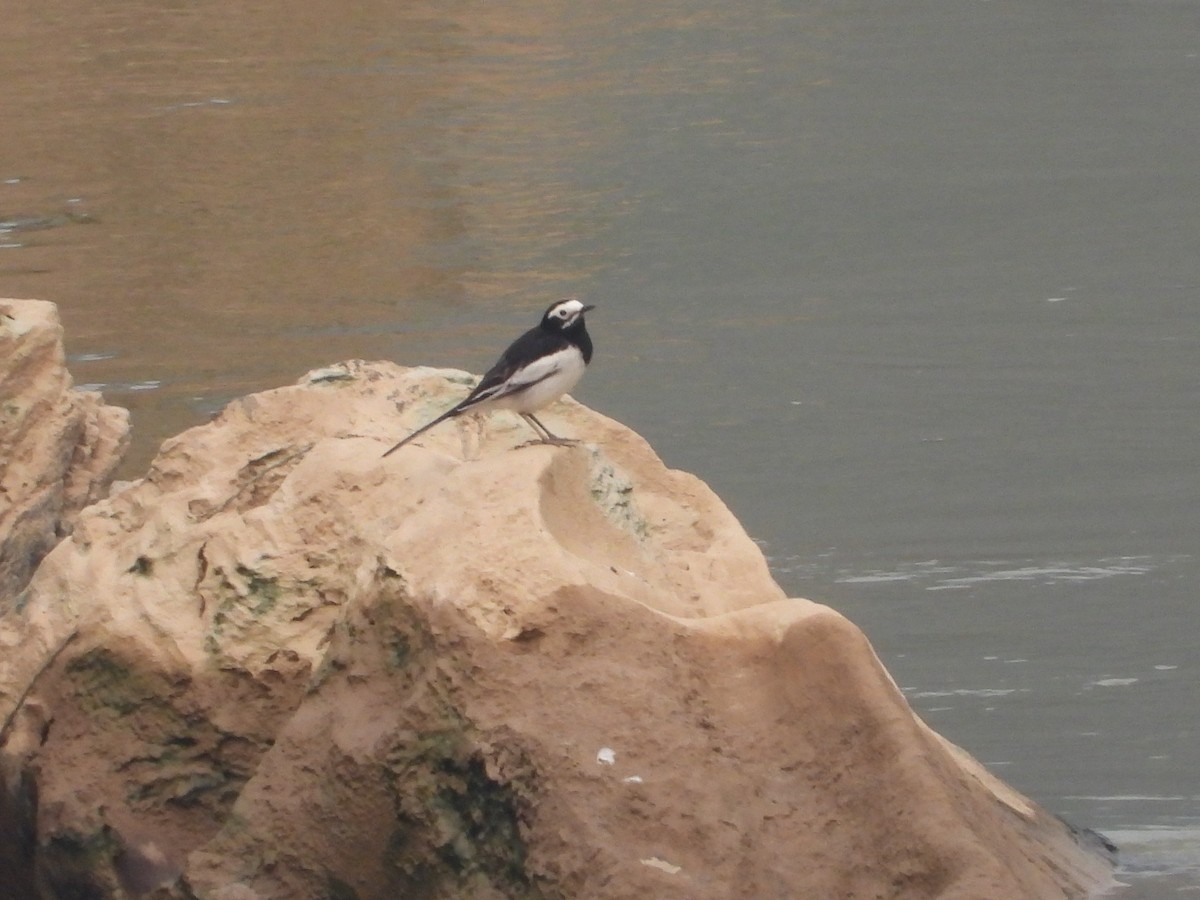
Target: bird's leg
[537,426]
[547,436]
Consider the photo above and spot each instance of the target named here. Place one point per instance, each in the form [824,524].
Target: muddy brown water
[913,286]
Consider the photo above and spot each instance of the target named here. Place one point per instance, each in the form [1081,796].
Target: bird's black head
[565,315]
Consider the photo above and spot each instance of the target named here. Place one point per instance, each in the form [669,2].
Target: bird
[537,368]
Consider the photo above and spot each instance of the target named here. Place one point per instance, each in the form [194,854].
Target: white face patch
[567,310]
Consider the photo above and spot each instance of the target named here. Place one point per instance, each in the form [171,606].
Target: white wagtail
[537,368]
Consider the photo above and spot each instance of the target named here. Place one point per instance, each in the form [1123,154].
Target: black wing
[532,345]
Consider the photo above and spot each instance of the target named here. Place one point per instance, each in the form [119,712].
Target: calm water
[912,285]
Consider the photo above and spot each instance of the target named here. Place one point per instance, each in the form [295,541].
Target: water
[912,285]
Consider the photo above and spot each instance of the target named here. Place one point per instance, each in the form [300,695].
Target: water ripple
[935,575]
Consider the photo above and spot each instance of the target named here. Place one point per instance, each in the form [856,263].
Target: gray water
[912,285]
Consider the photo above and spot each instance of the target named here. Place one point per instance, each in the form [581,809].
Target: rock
[58,447]
[281,666]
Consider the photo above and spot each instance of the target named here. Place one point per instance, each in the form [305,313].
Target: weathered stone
[281,666]
[58,447]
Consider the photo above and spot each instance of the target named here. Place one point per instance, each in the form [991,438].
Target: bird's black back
[541,340]
[552,335]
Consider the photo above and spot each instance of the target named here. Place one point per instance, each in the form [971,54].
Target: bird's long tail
[448,414]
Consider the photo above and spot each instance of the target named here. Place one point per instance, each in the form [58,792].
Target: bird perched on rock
[537,368]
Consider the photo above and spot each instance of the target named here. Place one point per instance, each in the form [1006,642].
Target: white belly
[566,368]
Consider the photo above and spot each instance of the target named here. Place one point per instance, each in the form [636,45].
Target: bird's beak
[587,308]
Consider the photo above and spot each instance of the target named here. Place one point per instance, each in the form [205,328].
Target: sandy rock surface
[283,667]
[58,446]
